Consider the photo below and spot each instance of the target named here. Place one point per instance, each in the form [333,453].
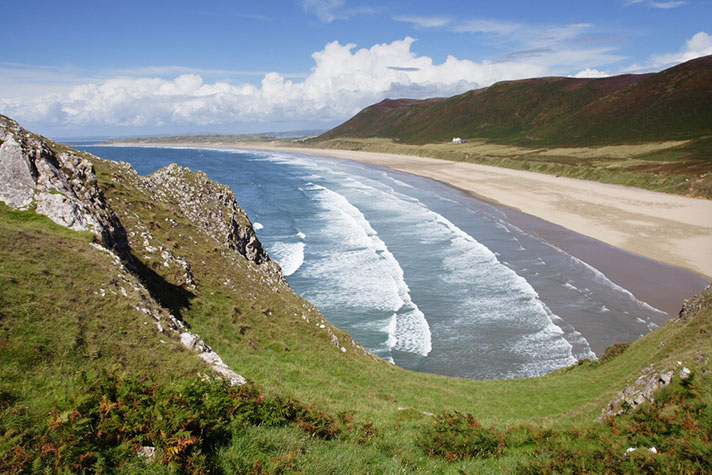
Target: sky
[75,68]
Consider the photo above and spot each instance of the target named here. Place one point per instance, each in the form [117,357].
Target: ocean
[420,273]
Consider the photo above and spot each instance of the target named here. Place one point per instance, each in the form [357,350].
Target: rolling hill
[674,104]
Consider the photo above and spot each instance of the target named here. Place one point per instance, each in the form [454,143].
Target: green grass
[54,324]
[56,327]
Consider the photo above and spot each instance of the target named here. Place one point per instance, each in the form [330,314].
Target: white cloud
[697,46]
[325,10]
[591,73]
[487,26]
[557,49]
[423,22]
[177,70]
[556,35]
[533,36]
[654,4]
[344,79]
[667,5]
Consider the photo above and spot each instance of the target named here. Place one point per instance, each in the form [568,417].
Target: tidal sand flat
[421,273]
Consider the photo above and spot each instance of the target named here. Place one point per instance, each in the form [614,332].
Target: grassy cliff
[89,383]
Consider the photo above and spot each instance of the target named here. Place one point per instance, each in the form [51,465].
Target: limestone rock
[212,207]
[194,343]
[640,392]
[651,379]
[217,364]
[147,451]
[61,185]
[693,305]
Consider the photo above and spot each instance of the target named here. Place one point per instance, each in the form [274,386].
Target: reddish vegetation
[670,105]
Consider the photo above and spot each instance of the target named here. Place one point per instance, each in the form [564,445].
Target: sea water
[421,274]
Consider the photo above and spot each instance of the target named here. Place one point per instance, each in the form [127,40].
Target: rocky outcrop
[212,207]
[130,287]
[694,305]
[194,343]
[60,185]
[643,389]
[653,378]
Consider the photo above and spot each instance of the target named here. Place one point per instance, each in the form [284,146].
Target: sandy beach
[656,245]
[668,228]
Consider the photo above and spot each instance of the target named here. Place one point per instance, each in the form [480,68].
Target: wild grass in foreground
[114,423]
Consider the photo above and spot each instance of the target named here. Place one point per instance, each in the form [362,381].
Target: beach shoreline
[655,245]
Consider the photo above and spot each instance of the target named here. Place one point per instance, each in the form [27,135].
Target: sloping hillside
[116,334]
[675,104]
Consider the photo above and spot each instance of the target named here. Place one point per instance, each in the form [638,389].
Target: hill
[674,104]
[134,308]
[652,131]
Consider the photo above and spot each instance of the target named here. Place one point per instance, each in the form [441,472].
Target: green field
[86,380]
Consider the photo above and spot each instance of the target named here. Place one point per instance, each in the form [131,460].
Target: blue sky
[74,68]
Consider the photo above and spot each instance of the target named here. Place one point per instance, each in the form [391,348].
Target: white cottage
[456,140]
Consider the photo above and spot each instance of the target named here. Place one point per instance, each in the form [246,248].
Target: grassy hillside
[674,104]
[86,380]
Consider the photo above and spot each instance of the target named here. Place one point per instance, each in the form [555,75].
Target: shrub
[613,351]
[110,418]
[459,436]
[678,424]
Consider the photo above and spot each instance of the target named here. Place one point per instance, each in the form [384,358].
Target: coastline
[672,229]
[655,245]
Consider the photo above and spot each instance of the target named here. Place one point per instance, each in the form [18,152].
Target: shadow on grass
[172,297]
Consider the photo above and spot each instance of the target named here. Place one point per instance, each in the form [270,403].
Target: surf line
[411,332]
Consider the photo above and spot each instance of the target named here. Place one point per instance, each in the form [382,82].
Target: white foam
[289,256]
[568,285]
[397,182]
[505,297]
[390,330]
[367,273]
[301,235]
[257,226]
[601,278]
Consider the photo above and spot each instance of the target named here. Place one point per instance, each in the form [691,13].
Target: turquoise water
[420,273]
